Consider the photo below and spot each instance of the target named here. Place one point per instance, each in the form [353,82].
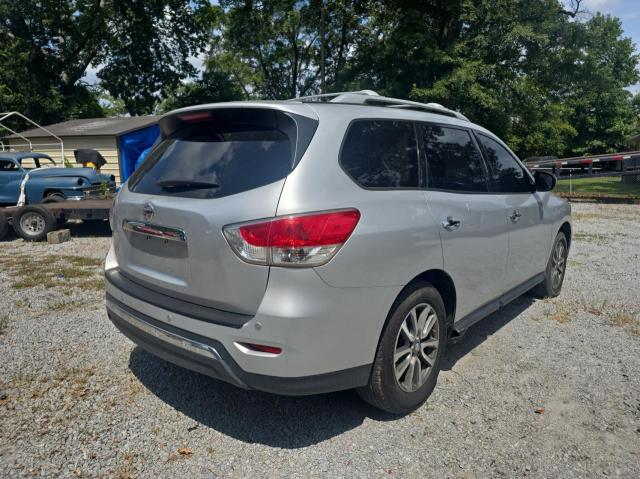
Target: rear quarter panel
[396,238]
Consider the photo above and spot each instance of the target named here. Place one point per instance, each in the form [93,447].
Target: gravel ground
[540,389]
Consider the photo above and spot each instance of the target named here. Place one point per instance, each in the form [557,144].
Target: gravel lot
[540,389]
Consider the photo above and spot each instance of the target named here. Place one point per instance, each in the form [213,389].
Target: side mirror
[544,181]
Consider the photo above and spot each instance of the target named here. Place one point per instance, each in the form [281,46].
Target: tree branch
[574,10]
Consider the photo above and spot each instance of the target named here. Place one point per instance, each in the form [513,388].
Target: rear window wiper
[186,184]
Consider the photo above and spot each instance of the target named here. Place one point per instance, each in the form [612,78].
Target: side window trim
[423,159]
[421,168]
[476,134]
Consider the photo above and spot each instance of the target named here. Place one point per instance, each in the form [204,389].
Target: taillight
[299,240]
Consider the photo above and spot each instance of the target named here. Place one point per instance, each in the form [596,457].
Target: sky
[628,11]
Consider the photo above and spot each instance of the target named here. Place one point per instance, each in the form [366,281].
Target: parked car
[46,182]
[328,243]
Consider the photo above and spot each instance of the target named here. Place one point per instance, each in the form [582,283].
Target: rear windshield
[222,154]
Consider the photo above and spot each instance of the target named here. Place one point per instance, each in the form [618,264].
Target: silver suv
[326,243]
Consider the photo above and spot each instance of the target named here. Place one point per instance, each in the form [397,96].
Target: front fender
[560,210]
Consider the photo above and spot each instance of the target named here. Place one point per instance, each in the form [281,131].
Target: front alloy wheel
[410,351]
[558,264]
[551,286]
[416,347]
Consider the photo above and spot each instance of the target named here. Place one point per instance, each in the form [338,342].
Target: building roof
[92,127]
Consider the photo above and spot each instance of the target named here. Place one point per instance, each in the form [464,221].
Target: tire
[33,222]
[4,225]
[54,198]
[556,268]
[401,396]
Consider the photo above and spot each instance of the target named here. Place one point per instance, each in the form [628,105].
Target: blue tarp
[132,145]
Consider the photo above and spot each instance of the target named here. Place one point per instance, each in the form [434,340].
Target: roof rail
[329,97]
[369,97]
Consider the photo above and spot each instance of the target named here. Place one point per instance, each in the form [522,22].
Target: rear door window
[219,155]
[453,160]
[507,176]
[381,154]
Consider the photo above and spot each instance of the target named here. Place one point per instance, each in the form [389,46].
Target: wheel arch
[440,280]
[52,191]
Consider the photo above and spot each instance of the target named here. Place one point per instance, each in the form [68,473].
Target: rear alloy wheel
[416,347]
[32,223]
[407,363]
[556,268]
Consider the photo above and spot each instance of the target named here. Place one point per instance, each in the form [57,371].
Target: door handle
[450,223]
[515,216]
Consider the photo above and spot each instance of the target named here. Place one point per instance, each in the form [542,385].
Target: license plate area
[157,251]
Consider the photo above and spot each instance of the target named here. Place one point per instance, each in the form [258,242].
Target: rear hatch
[213,167]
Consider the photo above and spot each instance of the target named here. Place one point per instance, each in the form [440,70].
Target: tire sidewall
[4,225]
[550,289]
[49,223]
[53,198]
[402,400]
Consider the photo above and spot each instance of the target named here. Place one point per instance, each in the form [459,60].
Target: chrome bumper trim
[157,231]
[166,336]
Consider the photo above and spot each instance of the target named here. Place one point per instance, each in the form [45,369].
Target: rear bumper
[328,335]
[210,357]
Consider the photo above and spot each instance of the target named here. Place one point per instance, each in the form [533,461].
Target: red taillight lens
[256,234]
[301,240]
[195,117]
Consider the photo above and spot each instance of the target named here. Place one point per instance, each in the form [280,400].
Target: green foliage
[547,79]
[104,189]
[141,48]
[600,186]
[273,49]
[214,86]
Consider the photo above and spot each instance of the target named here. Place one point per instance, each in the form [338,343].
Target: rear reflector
[262,348]
[300,240]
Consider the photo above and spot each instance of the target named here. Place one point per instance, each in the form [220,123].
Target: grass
[4,320]
[66,305]
[591,237]
[616,315]
[27,271]
[607,186]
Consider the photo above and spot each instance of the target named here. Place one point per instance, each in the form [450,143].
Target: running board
[482,312]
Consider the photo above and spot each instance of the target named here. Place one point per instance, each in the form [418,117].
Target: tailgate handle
[157,231]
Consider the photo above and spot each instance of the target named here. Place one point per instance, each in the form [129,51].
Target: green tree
[273,49]
[602,110]
[141,49]
[526,69]
[214,86]
[275,40]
